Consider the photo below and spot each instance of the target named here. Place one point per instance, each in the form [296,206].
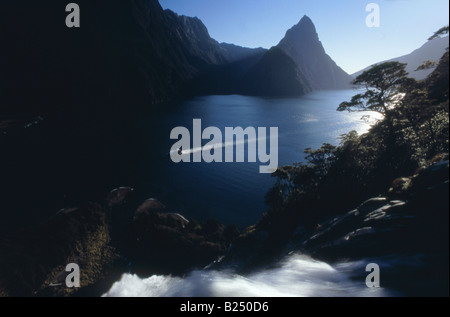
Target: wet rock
[439,158]
[400,186]
[149,206]
[381,226]
[371,204]
[104,240]
[143,221]
[362,234]
[66,211]
[413,219]
[431,176]
[248,251]
[386,212]
[118,196]
[167,243]
[32,261]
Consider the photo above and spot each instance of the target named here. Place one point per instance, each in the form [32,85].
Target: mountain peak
[304,31]
[306,20]
[302,44]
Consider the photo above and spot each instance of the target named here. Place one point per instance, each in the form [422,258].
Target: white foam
[298,276]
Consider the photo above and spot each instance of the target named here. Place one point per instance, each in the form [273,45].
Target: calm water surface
[234,192]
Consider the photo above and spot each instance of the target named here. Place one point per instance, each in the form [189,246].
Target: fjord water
[233,193]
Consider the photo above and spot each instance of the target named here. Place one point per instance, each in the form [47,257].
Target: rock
[400,186]
[118,196]
[250,249]
[182,218]
[371,204]
[439,158]
[148,206]
[381,226]
[391,211]
[32,261]
[231,233]
[3,293]
[170,220]
[161,242]
[431,176]
[67,211]
[359,232]
[104,243]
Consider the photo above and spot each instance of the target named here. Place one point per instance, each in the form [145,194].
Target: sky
[405,25]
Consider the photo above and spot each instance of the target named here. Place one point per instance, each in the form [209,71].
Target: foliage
[383,86]
[415,128]
[439,33]
[426,65]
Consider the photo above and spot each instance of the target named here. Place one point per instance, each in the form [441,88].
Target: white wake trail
[223,145]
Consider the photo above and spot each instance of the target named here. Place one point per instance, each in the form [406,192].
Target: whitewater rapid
[296,276]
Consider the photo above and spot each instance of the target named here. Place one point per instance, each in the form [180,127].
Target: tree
[439,33]
[384,89]
[427,65]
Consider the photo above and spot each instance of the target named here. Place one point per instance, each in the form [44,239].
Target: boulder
[431,176]
[167,243]
[148,206]
[400,186]
[118,196]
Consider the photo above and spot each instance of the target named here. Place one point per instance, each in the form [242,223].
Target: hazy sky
[341,24]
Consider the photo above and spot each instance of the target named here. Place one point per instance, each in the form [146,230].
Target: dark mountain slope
[194,35]
[276,74]
[124,53]
[235,53]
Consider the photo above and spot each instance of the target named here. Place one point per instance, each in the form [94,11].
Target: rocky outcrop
[107,239]
[126,234]
[118,196]
[33,260]
[168,243]
[410,219]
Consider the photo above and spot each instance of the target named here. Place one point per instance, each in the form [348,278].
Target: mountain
[195,36]
[431,50]
[132,53]
[234,53]
[297,65]
[302,44]
[276,74]
[221,66]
